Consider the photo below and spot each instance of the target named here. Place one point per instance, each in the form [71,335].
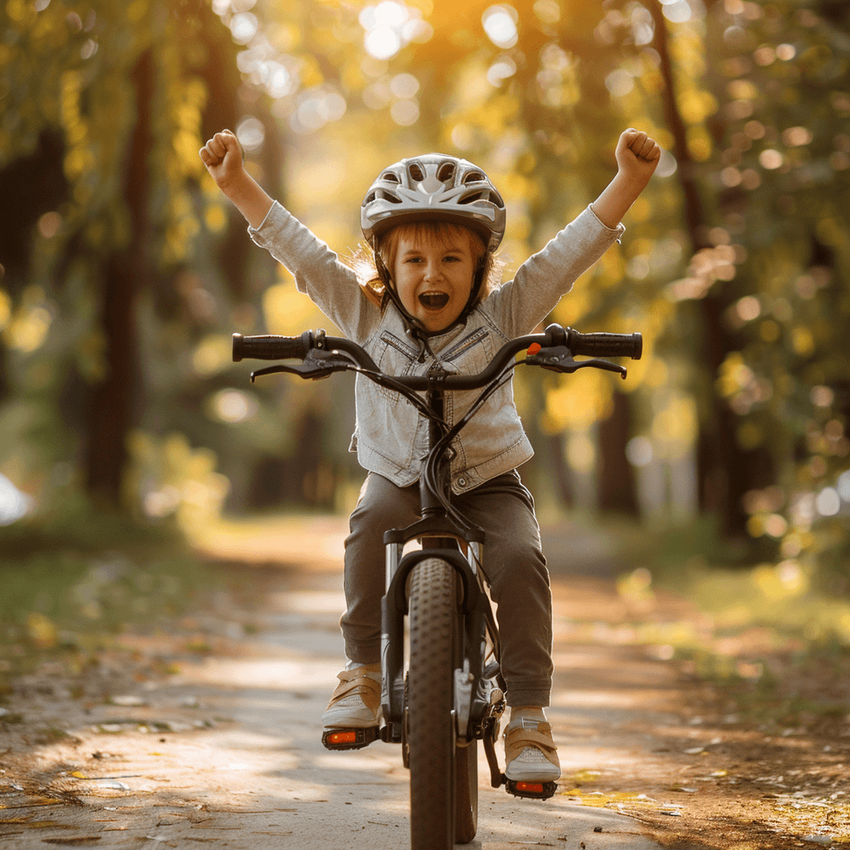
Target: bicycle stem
[434,397]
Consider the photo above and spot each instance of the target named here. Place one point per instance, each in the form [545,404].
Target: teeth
[434,300]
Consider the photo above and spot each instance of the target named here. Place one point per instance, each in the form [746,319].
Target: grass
[768,633]
[72,582]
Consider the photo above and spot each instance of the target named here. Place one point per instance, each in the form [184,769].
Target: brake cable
[430,471]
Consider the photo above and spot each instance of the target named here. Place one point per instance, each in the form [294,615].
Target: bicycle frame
[463,548]
[478,687]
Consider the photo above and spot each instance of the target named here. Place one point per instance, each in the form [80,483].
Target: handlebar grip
[271,346]
[606,345]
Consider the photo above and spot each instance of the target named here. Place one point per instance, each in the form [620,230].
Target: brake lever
[316,365]
[559,358]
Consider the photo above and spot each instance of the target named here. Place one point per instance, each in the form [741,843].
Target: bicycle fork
[478,704]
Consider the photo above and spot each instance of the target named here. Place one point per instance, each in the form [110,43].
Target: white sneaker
[356,702]
[530,752]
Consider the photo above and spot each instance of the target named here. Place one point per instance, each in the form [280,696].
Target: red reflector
[535,787]
[343,737]
[534,348]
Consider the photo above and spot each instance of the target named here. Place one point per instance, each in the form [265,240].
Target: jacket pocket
[460,349]
[395,357]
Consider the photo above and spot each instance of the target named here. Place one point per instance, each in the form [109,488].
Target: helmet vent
[433,187]
[446,173]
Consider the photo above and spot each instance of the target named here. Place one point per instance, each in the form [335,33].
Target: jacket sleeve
[521,304]
[317,270]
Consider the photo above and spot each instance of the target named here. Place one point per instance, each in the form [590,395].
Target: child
[433,223]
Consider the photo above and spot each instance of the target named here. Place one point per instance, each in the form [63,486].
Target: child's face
[433,277]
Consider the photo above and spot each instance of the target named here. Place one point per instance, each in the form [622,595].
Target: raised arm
[222,155]
[637,158]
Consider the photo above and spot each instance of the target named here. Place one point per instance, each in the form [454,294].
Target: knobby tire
[443,776]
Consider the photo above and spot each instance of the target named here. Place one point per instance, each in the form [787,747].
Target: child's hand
[222,155]
[637,158]
[637,155]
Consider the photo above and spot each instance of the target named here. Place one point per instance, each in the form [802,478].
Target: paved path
[227,753]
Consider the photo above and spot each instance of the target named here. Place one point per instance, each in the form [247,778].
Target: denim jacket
[390,436]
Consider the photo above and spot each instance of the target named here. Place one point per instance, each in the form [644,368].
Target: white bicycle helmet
[434,186]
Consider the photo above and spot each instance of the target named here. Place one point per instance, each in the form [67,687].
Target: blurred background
[123,271]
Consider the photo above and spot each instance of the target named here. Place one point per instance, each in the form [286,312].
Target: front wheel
[466,792]
[443,776]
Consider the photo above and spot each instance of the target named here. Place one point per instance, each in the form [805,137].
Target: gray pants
[513,561]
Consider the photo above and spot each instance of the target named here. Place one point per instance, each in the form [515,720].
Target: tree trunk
[31,186]
[560,470]
[722,464]
[617,486]
[111,407]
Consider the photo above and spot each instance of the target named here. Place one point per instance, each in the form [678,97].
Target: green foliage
[741,242]
[73,523]
[74,577]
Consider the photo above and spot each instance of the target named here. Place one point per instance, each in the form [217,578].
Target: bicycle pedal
[349,739]
[531,790]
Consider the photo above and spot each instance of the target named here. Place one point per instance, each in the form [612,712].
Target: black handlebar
[605,345]
[273,347]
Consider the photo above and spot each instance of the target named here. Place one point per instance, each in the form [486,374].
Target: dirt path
[208,734]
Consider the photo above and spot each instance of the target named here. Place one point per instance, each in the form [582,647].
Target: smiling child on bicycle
[433,223]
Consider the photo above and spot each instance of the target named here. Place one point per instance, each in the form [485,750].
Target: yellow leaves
[19,11]
[215,218]
[781,581]
[832,231]
[5,309]
[695,106]
[802,341]
[517,186]
[742,90]
[186,116]
[636,587]
[310,72]
[769,330]
[675,426]
[41,631]
[172,478]
[642,210]
[70,85]
[285,36]
[287,310]
[211,355]
[699,143]
[78,161]
[576,402]
[137,10]
[733,374]
[27,327]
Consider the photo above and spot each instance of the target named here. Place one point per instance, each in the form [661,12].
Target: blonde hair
[372,266]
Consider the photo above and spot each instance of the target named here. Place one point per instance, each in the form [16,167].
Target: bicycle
[442,691]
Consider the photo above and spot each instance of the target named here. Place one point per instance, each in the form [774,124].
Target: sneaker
[356,702]
[530,752]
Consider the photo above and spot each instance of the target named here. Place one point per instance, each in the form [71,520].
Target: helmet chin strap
[415,327]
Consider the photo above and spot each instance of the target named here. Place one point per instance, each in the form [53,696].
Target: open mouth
[434,300]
